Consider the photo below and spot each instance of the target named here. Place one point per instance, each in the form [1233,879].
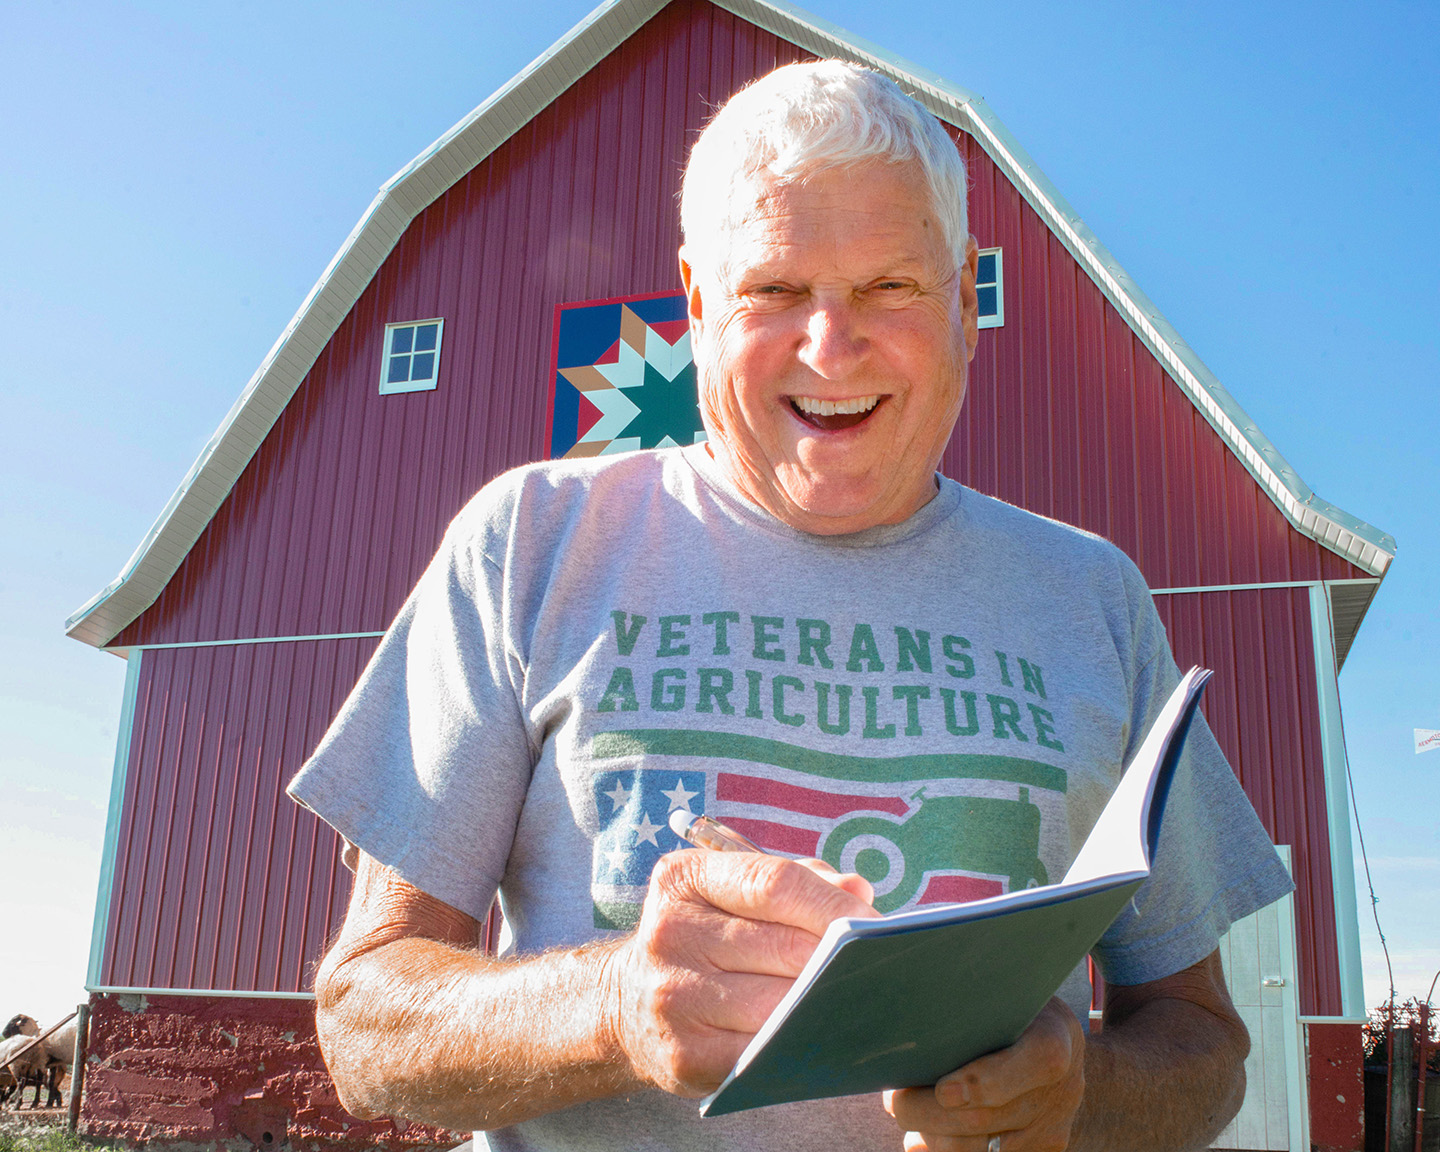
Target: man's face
[833,336]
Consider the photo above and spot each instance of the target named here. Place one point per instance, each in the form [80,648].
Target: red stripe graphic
[812,802]
[959,889]
[776,837]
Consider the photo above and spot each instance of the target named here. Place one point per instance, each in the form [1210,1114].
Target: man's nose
[834,342]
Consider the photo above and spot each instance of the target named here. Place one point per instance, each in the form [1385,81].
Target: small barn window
[990,287]
[412,356]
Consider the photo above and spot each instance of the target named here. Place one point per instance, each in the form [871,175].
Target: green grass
[44,1138]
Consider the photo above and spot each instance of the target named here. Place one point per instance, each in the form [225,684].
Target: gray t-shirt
[943,704]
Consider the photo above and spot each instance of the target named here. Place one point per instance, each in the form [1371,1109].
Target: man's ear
[693,307]
[969,298]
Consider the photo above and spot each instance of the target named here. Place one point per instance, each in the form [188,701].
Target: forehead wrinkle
[751,242]
[754,254]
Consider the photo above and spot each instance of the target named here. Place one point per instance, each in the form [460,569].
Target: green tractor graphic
[974,834]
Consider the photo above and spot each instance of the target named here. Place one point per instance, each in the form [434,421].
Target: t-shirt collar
[739,506]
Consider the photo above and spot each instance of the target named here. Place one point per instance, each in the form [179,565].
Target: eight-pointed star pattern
[640,392]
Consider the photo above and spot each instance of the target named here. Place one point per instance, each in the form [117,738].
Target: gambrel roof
[212,476]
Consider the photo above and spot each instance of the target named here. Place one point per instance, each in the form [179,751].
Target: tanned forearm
[415,1021]
[1167,1074]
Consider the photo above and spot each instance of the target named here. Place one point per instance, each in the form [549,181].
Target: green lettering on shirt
[873,728]
[716,684]
[672,636]
[863,647]
[1034,682]
[972,721]
[814,640]
[1005,713]
[1044,727]
[752,704]
[625,637]
[841,726]
[964,665]
[667,697]
[914,649]
[767,635]
[778,686]
[721,622]
[620,692]
[912,694]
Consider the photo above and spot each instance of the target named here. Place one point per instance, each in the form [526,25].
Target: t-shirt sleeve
[1214,864]
[428,762]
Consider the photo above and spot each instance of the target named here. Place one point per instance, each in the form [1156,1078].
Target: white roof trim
[430,174]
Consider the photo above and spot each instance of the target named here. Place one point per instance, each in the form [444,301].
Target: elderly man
[797,616]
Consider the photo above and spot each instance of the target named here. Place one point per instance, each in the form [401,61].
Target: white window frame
[389,389]
[998,320]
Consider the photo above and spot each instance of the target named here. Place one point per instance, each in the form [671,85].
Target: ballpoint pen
[704,832]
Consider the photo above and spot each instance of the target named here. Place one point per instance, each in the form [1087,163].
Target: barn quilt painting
[624,377]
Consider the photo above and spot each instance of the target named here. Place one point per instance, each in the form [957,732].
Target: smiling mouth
[833,415]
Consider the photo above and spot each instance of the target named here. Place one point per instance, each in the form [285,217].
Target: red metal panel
[1260,646]
[1066,398]
[1150,450]
[220,881]
[1184,501]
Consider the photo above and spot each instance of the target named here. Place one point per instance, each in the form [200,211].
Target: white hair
[804,118]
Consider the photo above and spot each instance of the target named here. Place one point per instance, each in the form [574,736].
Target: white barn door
[1259,958]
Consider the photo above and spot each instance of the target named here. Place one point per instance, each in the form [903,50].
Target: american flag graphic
[792,819]
[787,813]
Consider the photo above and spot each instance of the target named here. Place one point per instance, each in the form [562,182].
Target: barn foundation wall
[216,1072]
[1337,1091]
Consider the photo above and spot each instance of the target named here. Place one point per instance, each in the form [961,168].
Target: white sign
[1426,740]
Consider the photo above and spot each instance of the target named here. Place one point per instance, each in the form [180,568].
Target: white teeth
[813,407]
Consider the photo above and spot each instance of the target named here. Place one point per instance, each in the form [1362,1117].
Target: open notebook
[901,1000]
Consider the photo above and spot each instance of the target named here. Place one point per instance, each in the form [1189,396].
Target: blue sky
[176,176]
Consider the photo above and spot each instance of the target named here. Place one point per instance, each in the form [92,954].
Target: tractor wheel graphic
[1033,877]
[978,835]
[867,845]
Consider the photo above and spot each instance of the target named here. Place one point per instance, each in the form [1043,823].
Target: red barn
[437,350]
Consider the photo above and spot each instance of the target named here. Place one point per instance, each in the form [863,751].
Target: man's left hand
[1028,1094]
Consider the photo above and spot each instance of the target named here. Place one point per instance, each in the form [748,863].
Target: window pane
[424,366]
[986,274]
[425,337]
[988,301]
[399,369]
[400,339]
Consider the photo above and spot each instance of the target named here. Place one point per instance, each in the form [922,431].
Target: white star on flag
[619,795]
[678,796]
[1427,740]
[618,858]
[645,831]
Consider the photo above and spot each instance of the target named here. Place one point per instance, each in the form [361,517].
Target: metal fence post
[77,1069]
[1402,1089]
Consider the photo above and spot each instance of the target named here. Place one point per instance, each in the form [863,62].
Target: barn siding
[220,882]
[1259,643]
[347,498]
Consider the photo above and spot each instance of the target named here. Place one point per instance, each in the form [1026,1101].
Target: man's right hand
[415,1021]
[721,938]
